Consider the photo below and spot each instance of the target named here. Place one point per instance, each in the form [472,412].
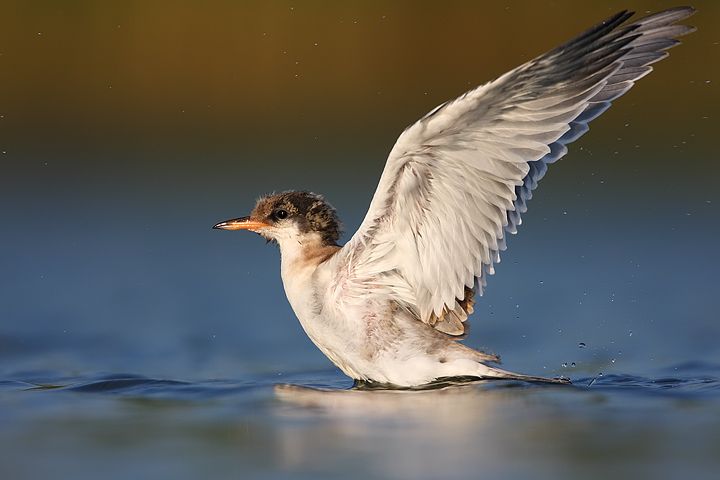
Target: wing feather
[459,179]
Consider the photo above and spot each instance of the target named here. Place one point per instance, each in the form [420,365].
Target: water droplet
[612,360]
[582,345]
[630,333]
[572,364]
[564,365]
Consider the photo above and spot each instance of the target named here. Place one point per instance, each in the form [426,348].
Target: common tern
[390,305]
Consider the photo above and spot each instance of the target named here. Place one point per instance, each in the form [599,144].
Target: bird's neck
[303,254]
[302,278]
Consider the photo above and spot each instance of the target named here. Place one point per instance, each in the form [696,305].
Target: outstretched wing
[461,176]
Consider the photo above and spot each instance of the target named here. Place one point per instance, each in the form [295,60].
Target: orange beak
[244,223]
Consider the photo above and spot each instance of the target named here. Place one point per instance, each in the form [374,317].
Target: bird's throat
[303,253]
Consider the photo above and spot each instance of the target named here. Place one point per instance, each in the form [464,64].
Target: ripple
[694,385]
[125,385]
[692,379]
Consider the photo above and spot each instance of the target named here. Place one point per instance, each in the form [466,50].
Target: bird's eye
[281,214]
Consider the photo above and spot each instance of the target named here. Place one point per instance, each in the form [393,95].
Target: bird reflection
[400,432]
[441,402]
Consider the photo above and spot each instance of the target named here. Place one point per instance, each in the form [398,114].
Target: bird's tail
[498,373]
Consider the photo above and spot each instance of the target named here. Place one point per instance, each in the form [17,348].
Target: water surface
[127,426]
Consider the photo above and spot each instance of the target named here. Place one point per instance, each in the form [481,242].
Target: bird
[390,306]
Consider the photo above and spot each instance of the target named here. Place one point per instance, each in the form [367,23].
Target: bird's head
[285,217]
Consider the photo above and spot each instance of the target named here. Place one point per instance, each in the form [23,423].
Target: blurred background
[127,129]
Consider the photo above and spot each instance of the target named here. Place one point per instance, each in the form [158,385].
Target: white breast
[338,333]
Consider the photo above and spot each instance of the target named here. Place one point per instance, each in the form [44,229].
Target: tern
[389,306]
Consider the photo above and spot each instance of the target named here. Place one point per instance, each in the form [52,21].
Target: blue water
[128,426]
[136,342]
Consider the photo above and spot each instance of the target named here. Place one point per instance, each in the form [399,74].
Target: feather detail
[458,180]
